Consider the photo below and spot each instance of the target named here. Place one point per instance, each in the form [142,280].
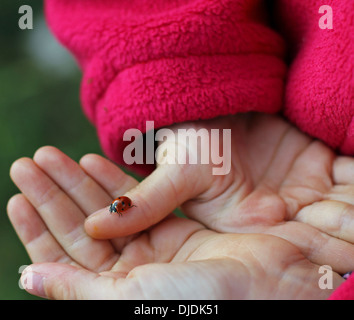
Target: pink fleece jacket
[180,60]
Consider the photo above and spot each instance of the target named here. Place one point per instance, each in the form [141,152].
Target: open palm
[176,259]
[281,182]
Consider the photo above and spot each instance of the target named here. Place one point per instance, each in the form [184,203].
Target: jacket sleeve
[169,61]
[319,92]
[345,291]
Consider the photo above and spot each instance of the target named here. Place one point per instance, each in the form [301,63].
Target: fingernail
[32,282]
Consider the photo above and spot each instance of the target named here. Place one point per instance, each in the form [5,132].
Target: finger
[40,244]
[65,282]
[152,281]
[343,170]
[332,217]
[92,185]
[62,216]
[318,247]
[116,183]
[343,193]
[69,176]
[155,197]
[108,175]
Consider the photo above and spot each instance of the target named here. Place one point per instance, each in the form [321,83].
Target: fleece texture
[169,61]
[319,95]
[345,291]
[180,60]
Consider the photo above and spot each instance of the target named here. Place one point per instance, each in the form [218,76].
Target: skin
[281,183]
[253,234]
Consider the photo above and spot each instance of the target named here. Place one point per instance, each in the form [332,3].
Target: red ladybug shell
[120,205]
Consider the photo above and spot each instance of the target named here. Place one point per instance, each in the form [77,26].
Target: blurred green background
[39,105]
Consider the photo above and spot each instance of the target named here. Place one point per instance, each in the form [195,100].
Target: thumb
[59,281]
[155,198]
[67,282]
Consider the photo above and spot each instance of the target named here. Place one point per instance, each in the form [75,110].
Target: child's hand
[281,183]
[176,259]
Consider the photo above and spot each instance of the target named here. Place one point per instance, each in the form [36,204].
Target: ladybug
[120,204]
